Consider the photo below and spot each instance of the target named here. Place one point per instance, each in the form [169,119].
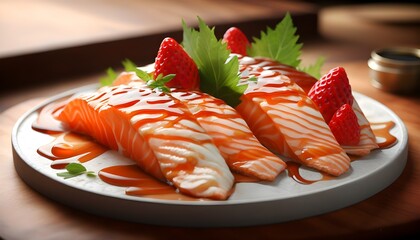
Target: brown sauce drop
[69,147]
[382,131]
[141,184]
[293,172]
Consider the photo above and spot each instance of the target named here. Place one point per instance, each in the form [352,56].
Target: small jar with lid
[396,70]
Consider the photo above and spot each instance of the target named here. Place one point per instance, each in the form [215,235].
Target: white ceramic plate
[251,203]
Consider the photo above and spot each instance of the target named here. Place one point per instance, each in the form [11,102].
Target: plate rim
[18,155]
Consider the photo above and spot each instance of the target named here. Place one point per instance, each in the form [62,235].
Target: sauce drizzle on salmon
[184,138]
[238,145]
[138,183]
[156,131]
[285,119]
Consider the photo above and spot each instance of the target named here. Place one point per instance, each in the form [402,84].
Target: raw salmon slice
[285,120]
[304,80]
[158,132]
[242,151]
[367,141]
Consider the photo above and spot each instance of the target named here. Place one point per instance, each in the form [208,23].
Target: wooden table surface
[393,212]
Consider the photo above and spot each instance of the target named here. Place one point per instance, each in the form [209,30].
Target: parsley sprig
[75,169]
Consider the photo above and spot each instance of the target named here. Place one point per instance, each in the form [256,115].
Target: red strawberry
[172,59]
[344,126]
[236,40]
[331,92]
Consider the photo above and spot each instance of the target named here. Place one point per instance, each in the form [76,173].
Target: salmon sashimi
[242,151]
[158,132]
[285,120]
[304,80]
[367,140]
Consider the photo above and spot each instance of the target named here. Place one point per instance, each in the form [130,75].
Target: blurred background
[44,43]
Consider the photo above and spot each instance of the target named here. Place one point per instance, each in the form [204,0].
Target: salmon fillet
[304,80]
[285,120]
[158,132]
[242,151]
[238,145]
[367,139]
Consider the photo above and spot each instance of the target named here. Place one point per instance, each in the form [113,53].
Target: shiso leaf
[279,44]
[315,69]
[219,71]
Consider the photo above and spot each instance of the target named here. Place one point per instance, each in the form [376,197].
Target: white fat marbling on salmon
[284,119]
[233,138]
[159,133]
[367,141]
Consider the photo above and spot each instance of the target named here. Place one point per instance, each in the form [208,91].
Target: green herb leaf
[129,66]
[315,69]
[75,169]
[252,79]
[67,175]
[107,80]
[279,44]
[160,81]
[219,72]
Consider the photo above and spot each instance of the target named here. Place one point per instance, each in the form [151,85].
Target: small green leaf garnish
[107,80]
[219,73]
[90,174]
[75,169]
[253,79]
[67,175]
[315,69]
[160,81]
[129,66]
[279,44]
